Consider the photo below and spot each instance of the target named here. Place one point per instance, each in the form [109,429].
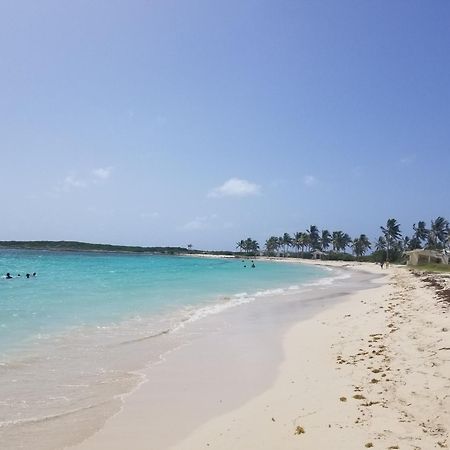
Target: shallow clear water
[79,289]
[73,338]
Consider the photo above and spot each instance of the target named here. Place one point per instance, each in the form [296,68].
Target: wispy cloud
[74,182]
[310,180]
[71,182]
[235,187]
[102,173]
[200,223]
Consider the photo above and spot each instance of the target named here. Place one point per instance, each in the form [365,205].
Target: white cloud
[72,182]
[102,173]
[235,187]
[201,223]
[310,180]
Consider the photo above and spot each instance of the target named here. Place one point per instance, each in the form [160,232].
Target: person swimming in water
[8,276]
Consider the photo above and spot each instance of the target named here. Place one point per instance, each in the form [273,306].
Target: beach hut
[423,256]
[317,254]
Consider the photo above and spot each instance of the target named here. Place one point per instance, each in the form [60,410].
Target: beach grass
[445,268]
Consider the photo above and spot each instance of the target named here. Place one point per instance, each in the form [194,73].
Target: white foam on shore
[139,329]
[242,298]
[217,308]
[329,280]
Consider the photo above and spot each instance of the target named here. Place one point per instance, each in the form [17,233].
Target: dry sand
[373,370]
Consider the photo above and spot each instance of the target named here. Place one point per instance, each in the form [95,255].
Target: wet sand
[373,371]
[231,360]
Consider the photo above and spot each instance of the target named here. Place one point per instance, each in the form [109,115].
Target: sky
[170,122]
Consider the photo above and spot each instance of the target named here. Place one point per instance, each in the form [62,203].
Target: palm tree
[420,232]
[336,240]
[380,245]
[346,241]
[297,241]
[300,241]
[286,242]
[392,234]
[254,246]
[240,245]
[313,237]
[361,245]
[420,235]
[340,241]
[251,246]
[438,234]
[304,242]
[406,243]
[272,245]
[325,240]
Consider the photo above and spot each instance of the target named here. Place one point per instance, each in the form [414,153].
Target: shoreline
[378,376]
[361,362]
[236,360]
[93,368]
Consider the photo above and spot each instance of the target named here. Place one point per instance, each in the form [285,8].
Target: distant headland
[75,246]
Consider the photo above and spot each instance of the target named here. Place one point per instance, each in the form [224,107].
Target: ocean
[73,337]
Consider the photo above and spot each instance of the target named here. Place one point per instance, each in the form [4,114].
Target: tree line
[390,245]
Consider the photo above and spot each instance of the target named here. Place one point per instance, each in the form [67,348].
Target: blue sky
[174,122]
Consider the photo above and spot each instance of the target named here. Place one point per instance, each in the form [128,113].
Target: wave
[327,281]
[198,313]
[34,420]
[201,313]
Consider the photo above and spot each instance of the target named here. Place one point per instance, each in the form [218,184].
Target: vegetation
[434,268]
[360,245]
[74,246]
[249,246]
[390,245]
[392,235]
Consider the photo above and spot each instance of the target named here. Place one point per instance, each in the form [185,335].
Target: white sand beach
[372,370]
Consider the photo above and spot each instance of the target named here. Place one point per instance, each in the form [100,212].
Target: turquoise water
[74,338]
[78,289]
